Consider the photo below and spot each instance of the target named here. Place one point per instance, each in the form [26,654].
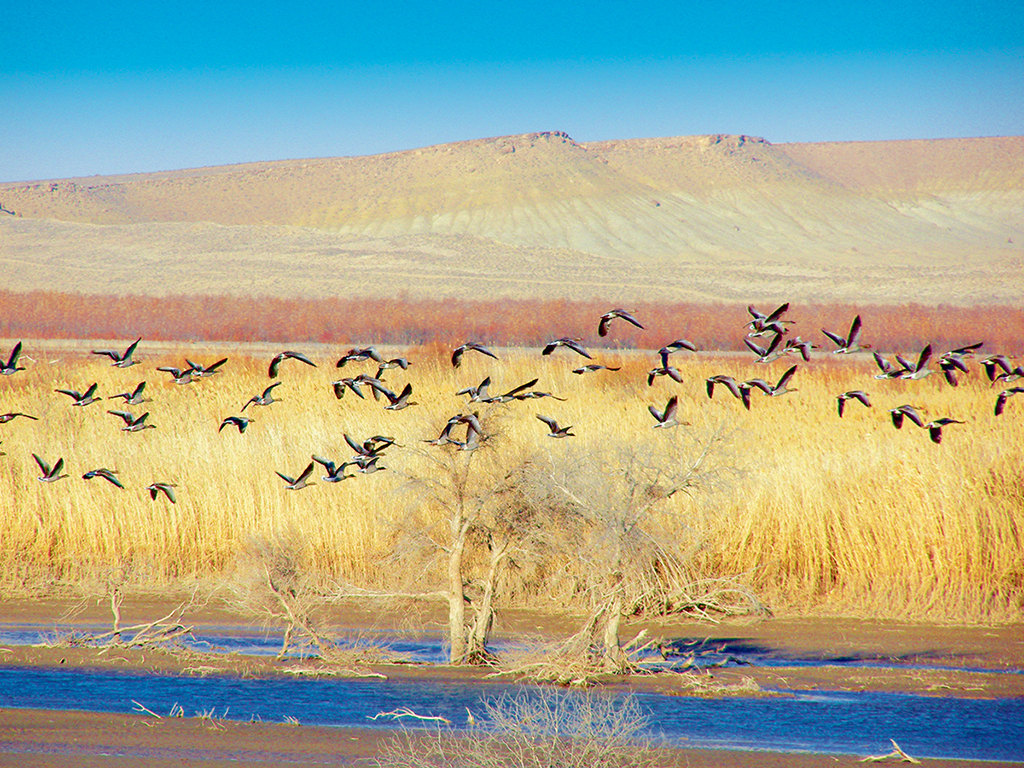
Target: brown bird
[555,430]
[459,351]
[121,360]
[909,411]
[666,418]
[134,397]
[11,366]
[5,417]
[265,399]
[132,424]
[286,355]
[594,367]
[935,427]
[607,317]
[107,474]
[1005,395]
[850,343]
[573,344]
[81,399]
[241,422]
[300,482]
[166,488]
[50,474]
[853,394]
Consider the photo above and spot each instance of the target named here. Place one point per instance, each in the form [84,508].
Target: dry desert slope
[706,217]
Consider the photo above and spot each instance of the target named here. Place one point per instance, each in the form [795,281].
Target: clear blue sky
[115,87]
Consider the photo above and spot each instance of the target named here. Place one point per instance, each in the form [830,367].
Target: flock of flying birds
[367,454]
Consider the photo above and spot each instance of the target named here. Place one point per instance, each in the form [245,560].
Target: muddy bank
[95,740]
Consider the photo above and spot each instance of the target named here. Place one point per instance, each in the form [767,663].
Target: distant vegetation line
[407,321]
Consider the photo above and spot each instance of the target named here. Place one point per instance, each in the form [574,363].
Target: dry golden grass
[819,513]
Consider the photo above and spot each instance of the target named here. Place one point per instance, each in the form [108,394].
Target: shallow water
[851,723]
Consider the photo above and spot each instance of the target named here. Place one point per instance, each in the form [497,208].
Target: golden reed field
[810,511]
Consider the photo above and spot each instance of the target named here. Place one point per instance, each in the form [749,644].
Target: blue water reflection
[851,723]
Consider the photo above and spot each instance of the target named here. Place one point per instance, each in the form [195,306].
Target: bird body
[850,343]
[132,424]
[555,430]
[607,317]
[473,346]
[5,417]
[121,360]
[594,367]
[573,344]
[199,371]
[935,426]
[854,394]
[1005,395]
[241,422]
[300,482]
[180,376]
[107,474]
[265,399]
[667,417]
[11,366]
[287,355]
[920,369]
[81,399]
[908,411]
[134,397]
[155,489]
[50,474]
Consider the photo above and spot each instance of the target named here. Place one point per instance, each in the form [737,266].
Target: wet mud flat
[963,676]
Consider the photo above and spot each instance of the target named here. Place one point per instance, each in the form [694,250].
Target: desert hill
[713,217]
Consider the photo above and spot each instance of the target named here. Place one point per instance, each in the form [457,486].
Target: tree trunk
[456,592]
[483,619]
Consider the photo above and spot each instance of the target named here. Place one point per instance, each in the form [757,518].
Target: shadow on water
[848,723]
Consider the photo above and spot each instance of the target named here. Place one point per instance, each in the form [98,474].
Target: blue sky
[118,87]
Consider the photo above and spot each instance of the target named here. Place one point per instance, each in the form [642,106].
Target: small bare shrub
[535,729]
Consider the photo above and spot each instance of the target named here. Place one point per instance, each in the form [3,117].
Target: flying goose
[81,399]
[664,370]
[888,370]
[516,393]
[920,369]
[335,473]
[459,351]
[399,401]
[241,422]
[726,381]
[11,366]
[50,474]
[354,383]
[132,424]
[595,367]
[995,365]
[199,371]
[107,474]
[300,482]
[121,360]
[155,489]
[773,390]
[800,347]
[573,344]
[180,376]
[905,410]
[762,324]
[287,354]
[853,394]
[666,418]
[135,397]
[265,399]
[935,427]
[607,317]
[1011,375]
[357,355]
[555,430]
[850,343]
[5,417]
[1005,395]
[673,347]
[766,355]
[479,393]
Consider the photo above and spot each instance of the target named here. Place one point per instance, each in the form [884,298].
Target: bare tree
[630,562]
[477,524]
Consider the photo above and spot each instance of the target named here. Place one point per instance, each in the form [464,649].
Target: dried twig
[897,756]
[406,712]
